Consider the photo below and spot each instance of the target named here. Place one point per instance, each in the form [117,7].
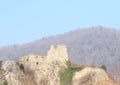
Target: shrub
[67,73]
[5,82]
[27,80]
[0,64]
[104,67]
[68,64]
[21,66]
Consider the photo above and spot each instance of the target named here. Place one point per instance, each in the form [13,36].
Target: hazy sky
[22,21]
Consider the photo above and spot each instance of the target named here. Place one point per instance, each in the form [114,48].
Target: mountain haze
[91,46]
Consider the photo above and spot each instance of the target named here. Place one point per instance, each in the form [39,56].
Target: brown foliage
[27,80]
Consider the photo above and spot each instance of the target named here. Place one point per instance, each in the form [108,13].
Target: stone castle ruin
[34,69]
[43,69]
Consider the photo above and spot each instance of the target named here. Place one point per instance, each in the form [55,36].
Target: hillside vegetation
[67,73]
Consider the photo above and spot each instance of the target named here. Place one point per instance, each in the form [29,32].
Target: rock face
[43,72]
[2,77]
[92,76]
[13,73]
[46,69]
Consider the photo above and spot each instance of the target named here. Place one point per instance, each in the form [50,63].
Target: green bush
[67,73]
[104,67]
[68,64]
[5,82]
[0,64]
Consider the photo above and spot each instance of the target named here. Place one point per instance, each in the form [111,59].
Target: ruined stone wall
[32,61]
[57,54]
[46,68]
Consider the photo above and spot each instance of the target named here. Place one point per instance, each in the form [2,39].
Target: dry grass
[27,80]
[0,72]
[107,82]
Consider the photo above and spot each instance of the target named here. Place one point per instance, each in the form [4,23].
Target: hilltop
[91,46]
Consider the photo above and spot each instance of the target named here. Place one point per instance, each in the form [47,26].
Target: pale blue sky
[23,21]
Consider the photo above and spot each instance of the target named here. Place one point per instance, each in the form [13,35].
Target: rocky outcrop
[92,76]
[2,77]
[34,69]
[42,70]
[13,73]
[46,68]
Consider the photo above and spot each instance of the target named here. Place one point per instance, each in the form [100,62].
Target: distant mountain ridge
[90,46]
